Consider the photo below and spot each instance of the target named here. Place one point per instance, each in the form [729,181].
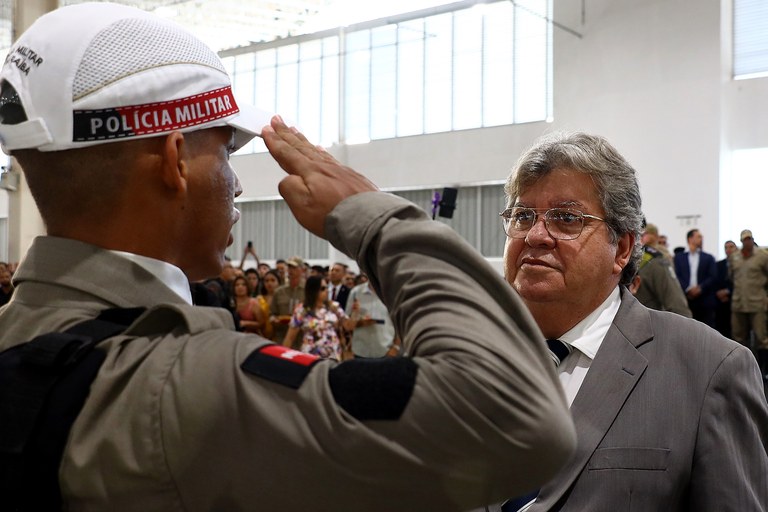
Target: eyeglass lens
[561,223]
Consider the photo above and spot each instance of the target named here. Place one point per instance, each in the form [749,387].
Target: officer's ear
[634,286]
[175,166]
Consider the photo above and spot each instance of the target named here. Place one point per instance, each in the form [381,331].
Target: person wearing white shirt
[374,333]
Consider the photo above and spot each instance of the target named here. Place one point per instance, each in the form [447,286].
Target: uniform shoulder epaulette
[649,253]
[647,249]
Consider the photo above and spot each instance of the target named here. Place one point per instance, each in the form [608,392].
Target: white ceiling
[225,24]
[230,23]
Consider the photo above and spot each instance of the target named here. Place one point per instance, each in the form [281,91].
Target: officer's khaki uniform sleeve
[485,418]
[671,295]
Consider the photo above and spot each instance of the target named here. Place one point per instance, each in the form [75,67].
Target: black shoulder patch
[280,364]
[374,389]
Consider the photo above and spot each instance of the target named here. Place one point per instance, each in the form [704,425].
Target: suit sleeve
[681,270]
[730,471]
[709,278]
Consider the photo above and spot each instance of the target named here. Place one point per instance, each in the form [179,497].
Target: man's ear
[174,166]
[624,247]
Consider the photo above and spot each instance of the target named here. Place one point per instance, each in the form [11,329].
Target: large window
[750,38]
[743,182]
[300,81]
[481,64]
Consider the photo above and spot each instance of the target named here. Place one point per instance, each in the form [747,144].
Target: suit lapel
[612,376]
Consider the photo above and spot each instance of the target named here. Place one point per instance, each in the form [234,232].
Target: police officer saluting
[184,413]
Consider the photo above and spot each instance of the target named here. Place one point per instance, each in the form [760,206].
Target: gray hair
[612,175]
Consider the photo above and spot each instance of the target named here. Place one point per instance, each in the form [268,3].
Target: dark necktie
[516,504]
[558,350]
[333,295]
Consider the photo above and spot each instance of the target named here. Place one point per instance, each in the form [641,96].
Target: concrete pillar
[24,222]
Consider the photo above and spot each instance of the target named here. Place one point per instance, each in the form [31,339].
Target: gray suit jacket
[671,417]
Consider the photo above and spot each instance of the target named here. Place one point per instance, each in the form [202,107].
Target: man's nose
[538,235]
[238,185]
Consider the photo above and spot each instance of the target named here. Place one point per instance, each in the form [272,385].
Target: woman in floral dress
[318,320]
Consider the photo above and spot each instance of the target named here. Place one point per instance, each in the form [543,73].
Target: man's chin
[539,291]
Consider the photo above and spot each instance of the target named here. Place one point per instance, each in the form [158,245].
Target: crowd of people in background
[339,315]
[6,286]
[729,295]
[328,311]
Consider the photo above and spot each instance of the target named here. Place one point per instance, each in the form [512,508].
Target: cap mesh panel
[130,46]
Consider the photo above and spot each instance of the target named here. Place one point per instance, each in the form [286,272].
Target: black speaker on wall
[448,202]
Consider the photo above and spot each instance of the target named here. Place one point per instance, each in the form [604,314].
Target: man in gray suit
[670,415]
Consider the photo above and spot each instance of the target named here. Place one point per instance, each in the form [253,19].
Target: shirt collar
[588,335]
[170,275]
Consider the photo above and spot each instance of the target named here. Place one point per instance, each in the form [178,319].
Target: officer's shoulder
[651,252]
[180,318]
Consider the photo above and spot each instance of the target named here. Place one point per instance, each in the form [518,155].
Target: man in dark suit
[724,291]
[337,290]
[669,414]
[697,272]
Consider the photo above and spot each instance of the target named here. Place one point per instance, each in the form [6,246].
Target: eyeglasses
[561,223]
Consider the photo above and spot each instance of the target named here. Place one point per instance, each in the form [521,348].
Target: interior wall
[650,75]
[745,119]
[646,75]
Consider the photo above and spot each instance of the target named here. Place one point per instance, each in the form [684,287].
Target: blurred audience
[221,287]
[263,269]
[338,291]
[6,286]
[269,283]
[254,281]
[373,334]
[282,270]
[316,323]
[246,306]
[724,291]
[287,297]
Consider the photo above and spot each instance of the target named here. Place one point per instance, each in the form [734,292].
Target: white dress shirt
[693,264]
[170,275]
[586,338]
[333,291]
